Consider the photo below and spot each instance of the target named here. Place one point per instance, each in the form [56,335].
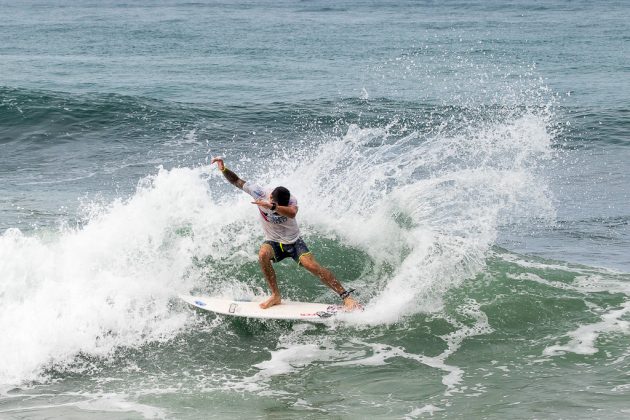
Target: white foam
[427,409]
[582,340]
[108,283]
[296,357]
[288,360]
[118,403]
[585,284]
[298,351]
[587,274]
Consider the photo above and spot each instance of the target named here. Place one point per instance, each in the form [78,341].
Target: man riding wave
[277,209]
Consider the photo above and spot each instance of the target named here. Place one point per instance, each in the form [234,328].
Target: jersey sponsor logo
[273,218]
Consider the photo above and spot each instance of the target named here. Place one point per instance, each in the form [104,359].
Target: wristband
[224,168]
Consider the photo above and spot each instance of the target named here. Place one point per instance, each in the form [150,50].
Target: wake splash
[426,207]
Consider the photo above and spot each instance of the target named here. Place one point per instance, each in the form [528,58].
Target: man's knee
[307,261]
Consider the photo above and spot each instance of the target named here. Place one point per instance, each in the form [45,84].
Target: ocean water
[463,164]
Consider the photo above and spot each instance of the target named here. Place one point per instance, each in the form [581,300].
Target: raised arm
[229,175]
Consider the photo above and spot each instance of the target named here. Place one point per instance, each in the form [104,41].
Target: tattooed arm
[229,175]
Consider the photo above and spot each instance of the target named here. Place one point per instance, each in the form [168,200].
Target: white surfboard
[298,311]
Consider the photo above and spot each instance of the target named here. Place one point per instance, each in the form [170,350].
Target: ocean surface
[465,165]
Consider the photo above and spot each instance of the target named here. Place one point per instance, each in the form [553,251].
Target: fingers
[219,162]
[262,203]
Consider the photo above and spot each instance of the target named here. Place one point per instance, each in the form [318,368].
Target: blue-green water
[463,165]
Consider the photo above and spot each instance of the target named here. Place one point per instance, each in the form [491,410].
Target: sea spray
[105,284]
[425,206]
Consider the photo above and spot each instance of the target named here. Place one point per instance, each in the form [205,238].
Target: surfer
[278,209]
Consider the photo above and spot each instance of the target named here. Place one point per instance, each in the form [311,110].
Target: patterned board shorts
[294,250]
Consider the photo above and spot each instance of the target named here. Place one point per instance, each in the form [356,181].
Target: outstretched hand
[219,162]
[263,203]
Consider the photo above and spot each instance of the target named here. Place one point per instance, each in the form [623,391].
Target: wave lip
[104,285]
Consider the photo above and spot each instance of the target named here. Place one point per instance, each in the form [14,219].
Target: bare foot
[349,305]
[273,300]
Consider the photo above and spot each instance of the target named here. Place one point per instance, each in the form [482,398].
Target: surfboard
[287,310]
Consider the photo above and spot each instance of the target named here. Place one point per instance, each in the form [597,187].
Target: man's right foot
[349,305]
[273,300]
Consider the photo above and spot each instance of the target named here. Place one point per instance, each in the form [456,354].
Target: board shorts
[295,250]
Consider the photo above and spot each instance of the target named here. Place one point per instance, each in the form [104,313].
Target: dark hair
[281,196]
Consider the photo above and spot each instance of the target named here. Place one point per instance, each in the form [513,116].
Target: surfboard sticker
[287,310]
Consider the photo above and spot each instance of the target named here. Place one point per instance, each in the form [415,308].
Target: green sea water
[463,165]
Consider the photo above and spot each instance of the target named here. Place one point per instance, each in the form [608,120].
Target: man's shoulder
[254,190]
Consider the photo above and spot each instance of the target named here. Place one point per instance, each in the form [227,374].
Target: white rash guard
[277,228]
